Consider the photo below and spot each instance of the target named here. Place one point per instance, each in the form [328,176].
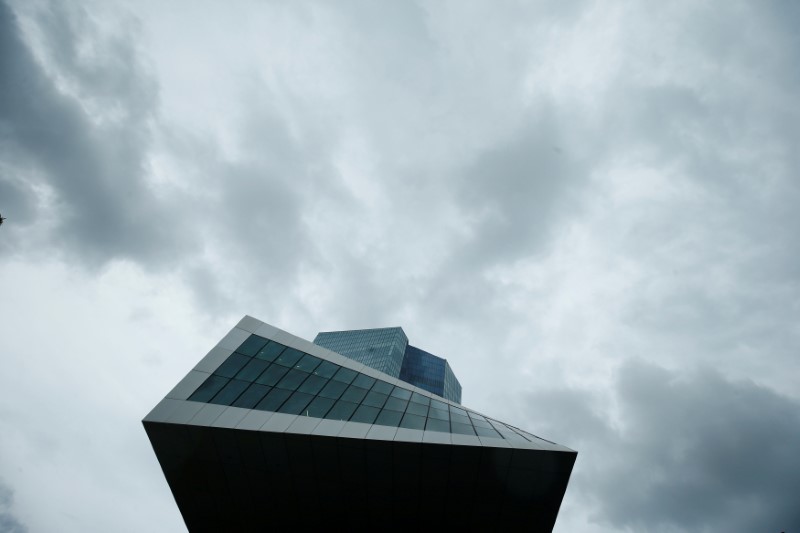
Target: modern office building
[387,350]
[270,431]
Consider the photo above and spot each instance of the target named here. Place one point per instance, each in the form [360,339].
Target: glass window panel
[462,429]
[289,357]
[412,421]
[251,396]
[319,406]
[345,375]
[365,414]
[521,434]
[313,384]
[232,365]
[365,382]
[308,363]
[403,394]
[270,351]
[459,419]
[389,418]
[417,409]
[531,437]
[326,369]
[375,399]
[252,370]
[486,432]
[509,434]
[333,389]
[395,404]
[273,400]
[438,414]
[296,404]
[208,389]
[382,387]
[439,405]
[419,398]
[437,425]
[501,428]
[230,392]
[292,380]
[475,416]
[341,410]
[458,411]
[272,375]
[354,394]
[251,345]
[480,422]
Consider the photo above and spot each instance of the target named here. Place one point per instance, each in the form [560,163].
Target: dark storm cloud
[249,213]
[114,77]
[8,522]
[686,452]
[76,163]
[83,172]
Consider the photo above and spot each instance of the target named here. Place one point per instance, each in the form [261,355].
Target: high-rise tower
[387,350]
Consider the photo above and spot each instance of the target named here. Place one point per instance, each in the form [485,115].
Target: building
[387,350]
[270,431]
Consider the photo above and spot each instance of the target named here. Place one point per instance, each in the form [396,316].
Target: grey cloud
[514,194]
[86,179]
[687,451]
[713,115]
[9,523]
[112,74]
[101,207]
[19,198]
[440,98]
[251,213]
[515,190]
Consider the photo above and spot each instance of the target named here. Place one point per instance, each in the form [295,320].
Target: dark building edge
[233,479]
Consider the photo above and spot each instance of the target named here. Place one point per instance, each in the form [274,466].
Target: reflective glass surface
[381,349]
[365,414]
[387,350]
[268,376]
[251,396]
[230,392]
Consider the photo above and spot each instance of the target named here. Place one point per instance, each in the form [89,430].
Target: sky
[589,208]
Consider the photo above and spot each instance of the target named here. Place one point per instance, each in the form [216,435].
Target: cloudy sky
[591,209]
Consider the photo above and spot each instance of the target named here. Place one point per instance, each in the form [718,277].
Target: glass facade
[387,350]
[381,349]
[452,388]
[268,376]
[426,371]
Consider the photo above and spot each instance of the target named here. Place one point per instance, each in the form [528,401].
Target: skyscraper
[270,431]
[387,350]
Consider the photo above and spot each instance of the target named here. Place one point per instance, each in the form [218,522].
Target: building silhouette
[270,431]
